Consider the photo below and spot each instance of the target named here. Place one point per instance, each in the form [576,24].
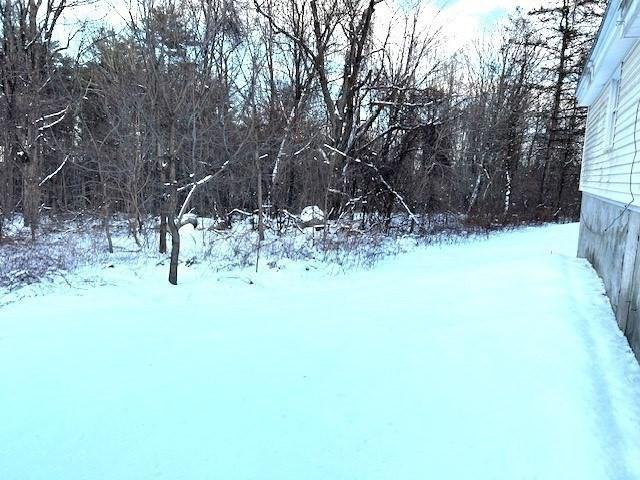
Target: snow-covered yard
[491,359]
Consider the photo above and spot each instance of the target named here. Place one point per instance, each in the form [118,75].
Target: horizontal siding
[594,147]
[614,173]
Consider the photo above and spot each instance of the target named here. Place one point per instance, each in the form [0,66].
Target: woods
[269,106]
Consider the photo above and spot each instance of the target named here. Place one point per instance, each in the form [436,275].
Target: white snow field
[490,359]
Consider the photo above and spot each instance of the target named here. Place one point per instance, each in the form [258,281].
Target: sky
[460,21]
[464,20]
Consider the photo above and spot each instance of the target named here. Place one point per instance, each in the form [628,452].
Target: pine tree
[569,27]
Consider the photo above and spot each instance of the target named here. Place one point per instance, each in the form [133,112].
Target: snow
[311,214]
[492,359]
[190,241]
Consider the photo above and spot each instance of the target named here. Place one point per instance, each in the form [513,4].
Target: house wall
[610,182]
[609,239]
[611,160]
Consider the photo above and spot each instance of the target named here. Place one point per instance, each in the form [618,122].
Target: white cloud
[460,22]
[463,21]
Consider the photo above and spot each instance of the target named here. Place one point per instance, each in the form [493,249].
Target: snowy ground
[495,359]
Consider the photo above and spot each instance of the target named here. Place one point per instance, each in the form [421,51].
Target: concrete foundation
[609,237]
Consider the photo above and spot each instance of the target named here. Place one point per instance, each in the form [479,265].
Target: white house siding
[609,170]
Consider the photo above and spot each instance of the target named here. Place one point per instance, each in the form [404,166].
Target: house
[610,179]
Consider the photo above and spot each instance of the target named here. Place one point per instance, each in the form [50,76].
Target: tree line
[214,106]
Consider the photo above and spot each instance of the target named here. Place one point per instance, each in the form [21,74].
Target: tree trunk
[175,251]
[259,193]
[105,218]
[163,201]
[554,120]
[172,204]
[31,192]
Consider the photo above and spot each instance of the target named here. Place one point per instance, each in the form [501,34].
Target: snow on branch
[56,114]
[61,114]
[55,172]
[197,184]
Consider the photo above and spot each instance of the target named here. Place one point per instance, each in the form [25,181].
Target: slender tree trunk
[164,200]
[173,204]
[259,193]
[331,162]
[175,251]
[107,229]
[31,189]
[105,216]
